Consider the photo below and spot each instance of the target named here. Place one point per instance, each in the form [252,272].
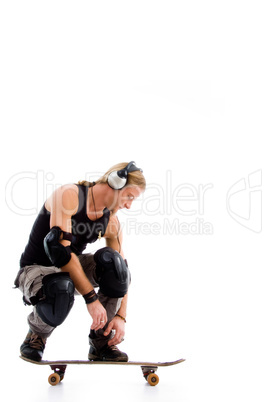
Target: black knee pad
[112,272]
[58,298]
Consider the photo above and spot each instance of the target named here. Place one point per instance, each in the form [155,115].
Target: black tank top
[84,231]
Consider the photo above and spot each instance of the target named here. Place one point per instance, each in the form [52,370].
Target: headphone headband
[131,167]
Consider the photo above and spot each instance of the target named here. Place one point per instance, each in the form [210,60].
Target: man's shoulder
[65,196]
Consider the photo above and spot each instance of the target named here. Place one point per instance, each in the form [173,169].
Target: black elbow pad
[58,254]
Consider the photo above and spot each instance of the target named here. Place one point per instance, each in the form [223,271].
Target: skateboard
[59,367]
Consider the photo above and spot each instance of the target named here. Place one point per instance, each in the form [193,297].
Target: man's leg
[99,349]
[30,282]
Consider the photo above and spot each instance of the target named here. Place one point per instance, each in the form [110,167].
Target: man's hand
[98,314]
[119,326]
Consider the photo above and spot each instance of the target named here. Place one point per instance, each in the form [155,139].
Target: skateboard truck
[58,375]
[149,374]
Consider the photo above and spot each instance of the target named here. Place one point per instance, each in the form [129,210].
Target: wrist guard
[90,297]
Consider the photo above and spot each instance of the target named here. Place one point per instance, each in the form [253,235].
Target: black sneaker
[33,347]
[107,353]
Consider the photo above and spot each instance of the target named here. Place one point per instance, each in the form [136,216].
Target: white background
[179,87]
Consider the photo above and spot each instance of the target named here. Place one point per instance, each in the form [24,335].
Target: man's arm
[62,205]
[83,285]
[113,237]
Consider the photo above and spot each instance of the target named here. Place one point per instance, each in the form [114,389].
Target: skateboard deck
[59,367]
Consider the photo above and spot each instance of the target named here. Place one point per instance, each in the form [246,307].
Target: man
[53,265]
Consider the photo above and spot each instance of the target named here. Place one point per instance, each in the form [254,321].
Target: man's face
[125,197]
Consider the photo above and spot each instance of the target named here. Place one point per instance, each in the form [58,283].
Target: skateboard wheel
[152,379]
[54,379]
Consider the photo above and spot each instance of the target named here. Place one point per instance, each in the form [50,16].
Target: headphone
[118,179]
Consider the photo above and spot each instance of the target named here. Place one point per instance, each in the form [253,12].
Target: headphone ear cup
[115,181]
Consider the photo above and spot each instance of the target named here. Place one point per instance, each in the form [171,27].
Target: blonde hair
[135,178]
